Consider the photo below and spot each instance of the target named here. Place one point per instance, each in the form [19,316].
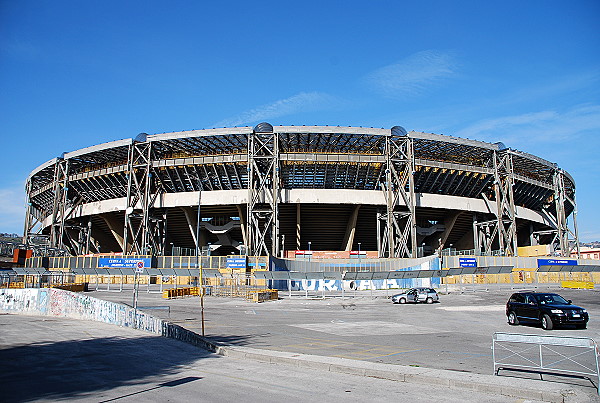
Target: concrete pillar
[532,239]
[116,228]
[298,226]
[243,223]
[350,230]
[476,245]
[448,224]
[191,221]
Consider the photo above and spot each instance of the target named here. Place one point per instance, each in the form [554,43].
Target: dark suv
[546,308]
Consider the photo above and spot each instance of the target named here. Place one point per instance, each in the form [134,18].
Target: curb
[530,389]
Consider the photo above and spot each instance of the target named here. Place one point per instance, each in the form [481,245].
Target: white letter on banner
[328,285]
[308,285]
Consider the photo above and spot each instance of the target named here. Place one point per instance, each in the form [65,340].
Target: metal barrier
[547,355]
[181,292]
[7,248]
[160,262]
[263,295]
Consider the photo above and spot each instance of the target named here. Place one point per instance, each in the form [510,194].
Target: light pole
[359,255]
[198,264]
[309,251]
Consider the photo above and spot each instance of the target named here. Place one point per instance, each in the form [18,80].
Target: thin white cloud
[589,236]
[12,209]
[302,102]
[557,87]
[413,75]
[544,127]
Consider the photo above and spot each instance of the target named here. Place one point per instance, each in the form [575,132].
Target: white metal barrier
[550,355]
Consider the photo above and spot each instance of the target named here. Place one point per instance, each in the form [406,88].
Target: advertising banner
[124,263]
[236,262]
[467,262]
[556,262]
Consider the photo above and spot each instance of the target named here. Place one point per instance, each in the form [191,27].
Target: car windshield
[550,299]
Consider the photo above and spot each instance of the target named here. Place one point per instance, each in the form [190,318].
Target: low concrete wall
[56,302]
[67,304]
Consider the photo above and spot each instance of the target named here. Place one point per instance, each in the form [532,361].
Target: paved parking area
[58,359]
[455,334]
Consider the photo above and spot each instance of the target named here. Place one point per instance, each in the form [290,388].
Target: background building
[266,189]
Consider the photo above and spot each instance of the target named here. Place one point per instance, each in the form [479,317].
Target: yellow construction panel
[577,284]
[532,251]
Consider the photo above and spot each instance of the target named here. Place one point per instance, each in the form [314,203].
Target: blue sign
[556,262]
[124,263]
[467,262]
[236,262]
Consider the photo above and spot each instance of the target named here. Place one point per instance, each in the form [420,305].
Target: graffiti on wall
[61,303]
[25,301]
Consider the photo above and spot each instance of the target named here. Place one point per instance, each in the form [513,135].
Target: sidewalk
[505,386]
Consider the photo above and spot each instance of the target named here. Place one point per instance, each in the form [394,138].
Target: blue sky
[78,73]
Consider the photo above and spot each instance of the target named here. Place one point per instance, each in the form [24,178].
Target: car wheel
[584,326]
[429,300]
[402,301]
[512,319]
[547,322]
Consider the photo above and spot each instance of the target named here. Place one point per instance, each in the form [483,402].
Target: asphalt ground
[57,359]
[454,334]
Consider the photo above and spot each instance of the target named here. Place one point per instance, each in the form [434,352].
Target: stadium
[288,190]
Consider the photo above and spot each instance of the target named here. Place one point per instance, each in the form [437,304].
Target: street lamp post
[359,255]
[309,251]
[198,263]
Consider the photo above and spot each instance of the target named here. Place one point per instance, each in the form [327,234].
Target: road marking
[315,345]
[474,308]
[366,328]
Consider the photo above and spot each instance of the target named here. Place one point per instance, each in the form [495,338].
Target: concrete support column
[350,230]
[298,226]
[532,239]
[476,245]
[190,217]
[243,223]
[448,224]
[116,229]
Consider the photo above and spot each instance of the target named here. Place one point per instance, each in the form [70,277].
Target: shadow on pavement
[60,370]
[235,340]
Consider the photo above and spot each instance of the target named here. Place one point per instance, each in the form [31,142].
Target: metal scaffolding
[79,238]
[564,198]
[33,218]
[263,191]
[505,215]
[144,232]
[61,178]
[397,225]
[500,232]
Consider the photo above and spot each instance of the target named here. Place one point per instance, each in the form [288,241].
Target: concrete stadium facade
[264,190]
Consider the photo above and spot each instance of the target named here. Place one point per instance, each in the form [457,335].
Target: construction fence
[249,277]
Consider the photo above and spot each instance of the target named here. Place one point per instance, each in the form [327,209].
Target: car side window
[529,300]
[519,298]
